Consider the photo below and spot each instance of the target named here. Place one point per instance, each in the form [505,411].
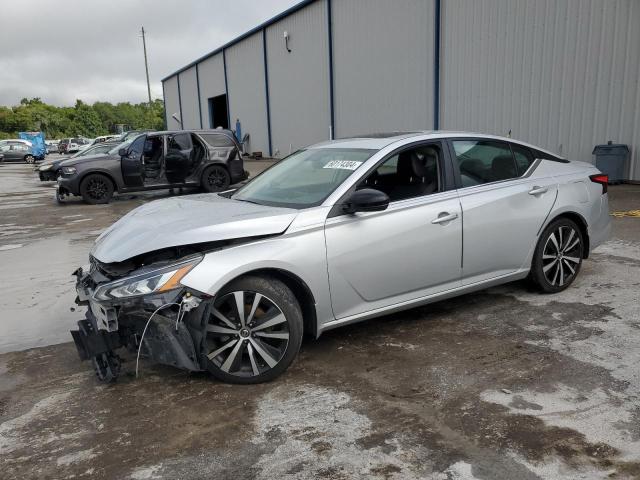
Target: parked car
[105,138]
[15,141]
[72,145]
[17,152]
[336,233]
[52,146]
[131,134]
[190,158]
[49,170]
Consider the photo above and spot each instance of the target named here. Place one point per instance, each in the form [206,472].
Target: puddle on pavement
[39,293]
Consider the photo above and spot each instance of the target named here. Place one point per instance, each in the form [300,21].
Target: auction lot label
[343,164]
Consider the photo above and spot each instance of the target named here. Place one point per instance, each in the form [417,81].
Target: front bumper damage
[173,335]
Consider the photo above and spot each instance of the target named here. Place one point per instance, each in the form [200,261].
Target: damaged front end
[139,305]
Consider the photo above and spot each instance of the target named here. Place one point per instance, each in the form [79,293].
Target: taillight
[602,179]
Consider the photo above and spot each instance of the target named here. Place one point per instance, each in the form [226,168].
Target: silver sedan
[336,233]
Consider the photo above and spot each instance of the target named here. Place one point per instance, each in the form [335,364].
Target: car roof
[210,130]
[378,141]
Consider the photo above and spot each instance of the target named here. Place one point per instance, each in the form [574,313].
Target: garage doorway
[218,115]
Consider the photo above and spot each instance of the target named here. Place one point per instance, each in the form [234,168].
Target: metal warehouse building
[562,74]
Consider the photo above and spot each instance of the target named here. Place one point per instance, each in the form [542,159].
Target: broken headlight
[156,281]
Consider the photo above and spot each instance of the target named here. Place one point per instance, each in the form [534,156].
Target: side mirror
[123,152]
[366,200]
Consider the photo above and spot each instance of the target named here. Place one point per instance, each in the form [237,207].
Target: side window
[181,141]
[137,147]
[524,158]
[484,161]
[217,140]
[411,173]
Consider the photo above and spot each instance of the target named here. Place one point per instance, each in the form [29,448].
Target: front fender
[302,254]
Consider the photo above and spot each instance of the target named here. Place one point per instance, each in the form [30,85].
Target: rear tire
[558,256]
[262,341]
[215,178]
[96,189]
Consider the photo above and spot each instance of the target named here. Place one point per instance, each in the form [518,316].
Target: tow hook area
[98,346]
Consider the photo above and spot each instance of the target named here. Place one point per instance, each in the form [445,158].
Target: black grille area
[107,272]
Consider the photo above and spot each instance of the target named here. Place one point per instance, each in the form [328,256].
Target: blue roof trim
[271,21]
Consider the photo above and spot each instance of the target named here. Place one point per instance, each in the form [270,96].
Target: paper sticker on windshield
[343,164]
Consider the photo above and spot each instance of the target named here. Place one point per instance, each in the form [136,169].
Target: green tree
[82,119]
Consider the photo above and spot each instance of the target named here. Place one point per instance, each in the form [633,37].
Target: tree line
[81,120]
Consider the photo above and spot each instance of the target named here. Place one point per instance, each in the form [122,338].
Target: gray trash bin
[611,159]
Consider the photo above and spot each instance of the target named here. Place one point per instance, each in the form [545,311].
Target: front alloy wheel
[96,188]
[253,331]
[558,256]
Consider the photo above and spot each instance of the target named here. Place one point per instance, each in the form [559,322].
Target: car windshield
[304,179]
[116,149]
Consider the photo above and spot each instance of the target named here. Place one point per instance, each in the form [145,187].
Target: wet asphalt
[500,384]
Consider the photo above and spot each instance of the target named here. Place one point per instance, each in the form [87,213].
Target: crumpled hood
[187,220]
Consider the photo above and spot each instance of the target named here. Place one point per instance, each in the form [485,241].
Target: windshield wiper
[245,200]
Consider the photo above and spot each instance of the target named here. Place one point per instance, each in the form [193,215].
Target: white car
[336,233]
[14,141]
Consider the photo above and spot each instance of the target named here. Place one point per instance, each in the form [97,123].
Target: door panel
[501,223]
[131,164]
[178,157]
[382,258]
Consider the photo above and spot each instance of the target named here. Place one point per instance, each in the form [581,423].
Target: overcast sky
[91,49]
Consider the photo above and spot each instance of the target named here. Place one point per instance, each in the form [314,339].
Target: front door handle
[444,217]
[538,190]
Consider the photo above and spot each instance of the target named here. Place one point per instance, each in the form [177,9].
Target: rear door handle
[538,190]
[444,217]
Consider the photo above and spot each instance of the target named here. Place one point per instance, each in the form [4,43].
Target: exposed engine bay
[165,326]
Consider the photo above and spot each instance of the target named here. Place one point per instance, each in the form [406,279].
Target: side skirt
[397,307]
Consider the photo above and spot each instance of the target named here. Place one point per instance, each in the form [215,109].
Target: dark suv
[209,159]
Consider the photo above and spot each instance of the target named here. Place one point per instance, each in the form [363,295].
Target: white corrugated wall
[382,65]
[211,73]
[299,80]
[247,97]
[562,74]
[189,99]
[171,102]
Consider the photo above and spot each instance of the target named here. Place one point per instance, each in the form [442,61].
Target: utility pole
[146,65]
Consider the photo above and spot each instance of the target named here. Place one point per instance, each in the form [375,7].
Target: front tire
[558,256]
[96,189]
[216,179]
[29,159]
[253,331]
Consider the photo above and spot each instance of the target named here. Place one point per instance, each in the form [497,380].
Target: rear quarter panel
[578,194]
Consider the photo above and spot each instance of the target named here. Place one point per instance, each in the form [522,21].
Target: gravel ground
[500,384]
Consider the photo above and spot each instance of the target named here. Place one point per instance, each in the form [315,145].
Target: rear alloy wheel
[215,179]
[253,331]
[558,256]
[29,158]
[96,188]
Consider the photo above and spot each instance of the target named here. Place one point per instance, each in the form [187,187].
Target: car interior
[411,173]
[485,162]
[152,158]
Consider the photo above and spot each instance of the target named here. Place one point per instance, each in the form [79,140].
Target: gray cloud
[91,50]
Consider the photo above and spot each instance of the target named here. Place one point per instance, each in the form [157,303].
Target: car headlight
[68,170]
[45,167]
[156,281]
